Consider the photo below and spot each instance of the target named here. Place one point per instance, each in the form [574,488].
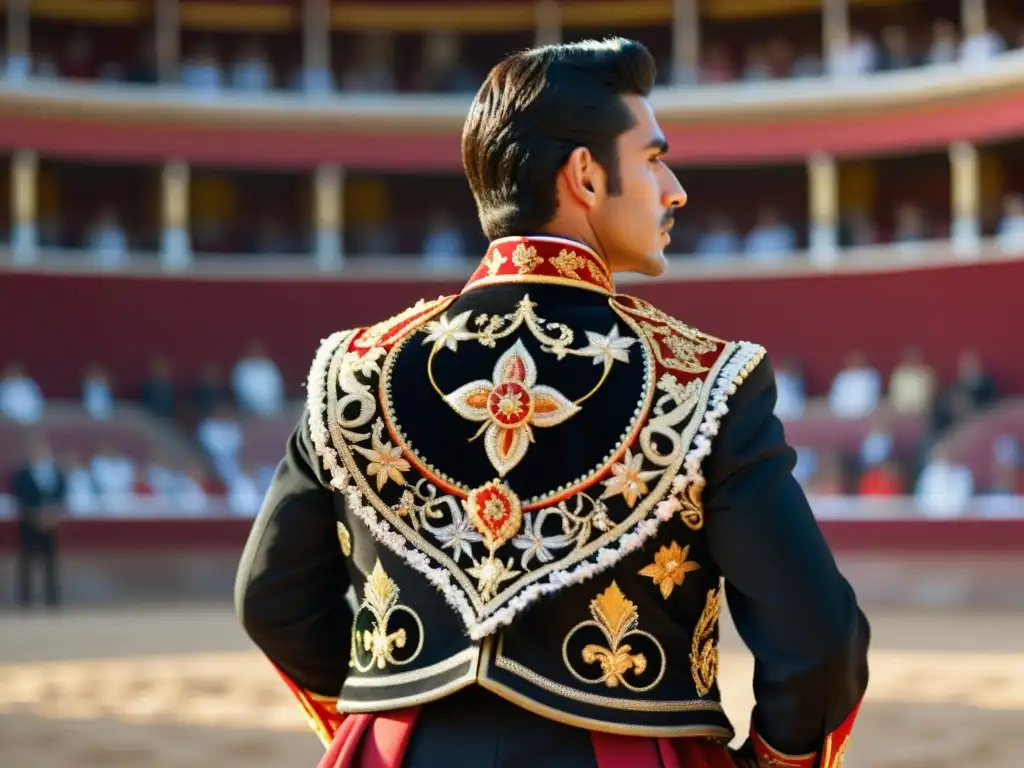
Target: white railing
[419,111]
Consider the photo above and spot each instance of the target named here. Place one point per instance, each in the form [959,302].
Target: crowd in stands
[213,410]
[929,472]
[112,482]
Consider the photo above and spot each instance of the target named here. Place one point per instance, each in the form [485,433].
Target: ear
[583,177]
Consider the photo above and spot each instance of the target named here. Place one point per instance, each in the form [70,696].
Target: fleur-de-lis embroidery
[526,258]
[380,599]
[617,619]
[704,648]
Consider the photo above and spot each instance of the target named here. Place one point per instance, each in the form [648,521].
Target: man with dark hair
[39,491]
[539,490]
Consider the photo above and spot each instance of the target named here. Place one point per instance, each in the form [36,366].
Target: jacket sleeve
[292,580]
[792,607]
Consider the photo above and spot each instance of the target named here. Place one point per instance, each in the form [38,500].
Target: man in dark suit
[39,490]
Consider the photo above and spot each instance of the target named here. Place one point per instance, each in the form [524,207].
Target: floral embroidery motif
[495,262]
[704,648]
[526,258]
[567,262]
[445,332]
[669,568]
[628,479]
[386,462]
[380,599]
[497,515]
[607,349]
[344,539]
[511,404]
[617,618]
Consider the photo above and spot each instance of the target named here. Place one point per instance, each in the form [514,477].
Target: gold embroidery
[600,275]
[386,462]
[495,262]
[567,262]
[344,539]
[617,619]
[669,568]
[510,405]
[375,334]
[380,598]
[494,510]
[840,759]
[704,648]
[685,345]
[628,479]
[692,511]
[526,258]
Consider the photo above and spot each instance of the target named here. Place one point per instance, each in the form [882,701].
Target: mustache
[668,220]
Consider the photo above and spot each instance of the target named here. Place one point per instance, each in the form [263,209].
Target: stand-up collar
[542,259]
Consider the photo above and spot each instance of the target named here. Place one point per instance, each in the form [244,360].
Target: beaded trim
[733,367]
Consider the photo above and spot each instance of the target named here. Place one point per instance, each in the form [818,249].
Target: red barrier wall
[59,324]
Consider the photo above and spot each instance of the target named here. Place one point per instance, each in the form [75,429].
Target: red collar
[542,259]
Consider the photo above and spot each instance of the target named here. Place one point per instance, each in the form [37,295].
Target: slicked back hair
[533,110]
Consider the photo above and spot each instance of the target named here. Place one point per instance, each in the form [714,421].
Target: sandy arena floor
[181,687]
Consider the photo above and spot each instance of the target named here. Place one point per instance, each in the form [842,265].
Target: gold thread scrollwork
[616,617]
[684,345]
[704,647]
[380,599]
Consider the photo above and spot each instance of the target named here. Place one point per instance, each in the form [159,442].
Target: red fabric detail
[593,272]
[614,751]
[836,742]
[371,741]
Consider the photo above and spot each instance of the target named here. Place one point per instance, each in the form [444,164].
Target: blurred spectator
[945,42]
[191,494]
[910,225]
[244,496]
[878,444]
[373,70]
[251,72]
[779,54]
[443,243]
[944,488]
[858,229]
[792,397]
[161,477]
[770,238]
[852,58]
[976,50]
[806,466]
[1011,224]
[442,69]
[21,399]
[1006,463]
[828,480]
[896,52]
[884,479]
[975,381]
[97,397]
[78,61]
[201,73]
[807,64]
[257,382]
[912,384]
[716,65]
[107,241]
[113,472]
[82,496]
[756,67]
[220,435]
[157,390]
[39,491]
[856,389]
[720,239]
[209,391]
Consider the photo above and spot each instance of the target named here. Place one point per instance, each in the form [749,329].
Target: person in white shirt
[771,238]
[912,384]
[220,435]
[719,240]
[190,494]
[877,445]
[792,398]
[257,382]
[21,399]
[107,241]
[82,499]
[97,397]
[945,487]
[945,43]
[856,389]
[857,57]
[202,74]
[114,476]
[251,72]
[244,494]
[1011,224]
[976,50]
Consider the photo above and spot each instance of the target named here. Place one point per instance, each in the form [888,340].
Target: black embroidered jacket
[543,488]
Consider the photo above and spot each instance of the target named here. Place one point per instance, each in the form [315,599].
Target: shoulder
[681,349]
